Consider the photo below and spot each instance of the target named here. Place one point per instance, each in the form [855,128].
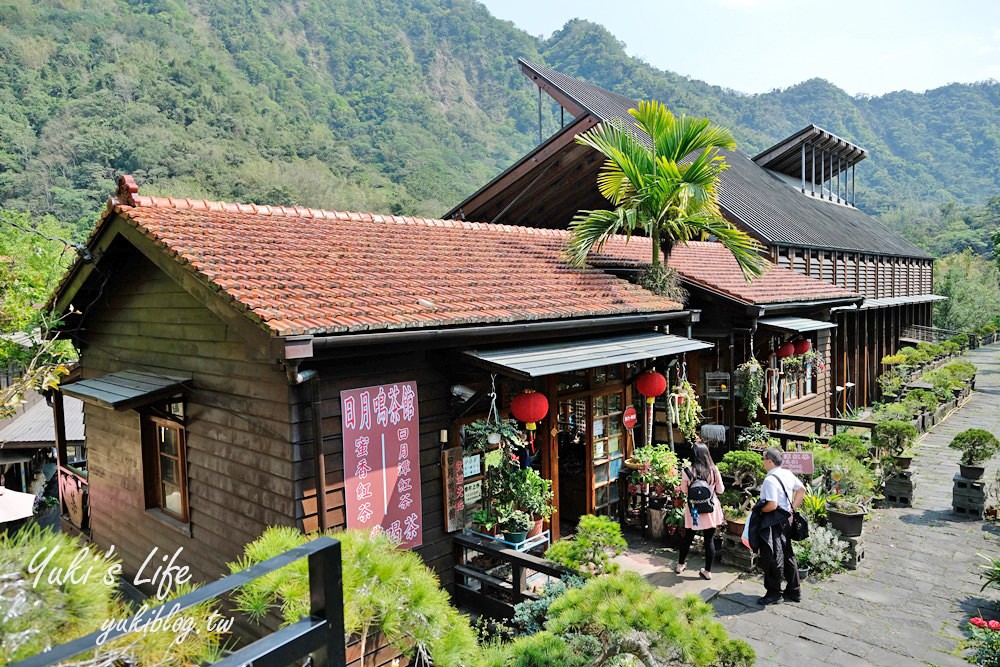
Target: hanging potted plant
[484,434]
[684,409]
[750,386]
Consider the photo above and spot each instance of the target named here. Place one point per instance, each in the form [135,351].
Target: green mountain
[402,106]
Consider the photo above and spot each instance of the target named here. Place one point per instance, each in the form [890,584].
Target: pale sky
[867,47]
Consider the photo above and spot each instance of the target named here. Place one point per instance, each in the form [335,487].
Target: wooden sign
[453,474]
[382,461]
[801,463]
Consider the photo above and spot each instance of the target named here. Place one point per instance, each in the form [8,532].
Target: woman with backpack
[701,483]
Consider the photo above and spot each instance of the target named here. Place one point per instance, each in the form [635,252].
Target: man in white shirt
[780,493]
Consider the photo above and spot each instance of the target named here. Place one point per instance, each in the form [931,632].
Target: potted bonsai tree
[745,467]
[977,446]
[894,437]
[515,525]
[846,516]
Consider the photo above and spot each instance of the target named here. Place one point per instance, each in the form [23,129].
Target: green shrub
[386,590]
[920,399]
[628,616]
[597,540]
[850,443]
[893,435]
[960,370]
[891,411]
[747,467]
[823,551]
[843,473]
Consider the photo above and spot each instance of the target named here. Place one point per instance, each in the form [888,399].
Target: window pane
[615,427]
[601,473]
[172,499]
[168,470]
[614,444]
[601,496]
[615,403]
[614,372]
[168,440]
[600,375]
[600,448]
[600,406]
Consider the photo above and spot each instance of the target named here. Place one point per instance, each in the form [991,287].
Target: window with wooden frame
[793,378]
[164,458]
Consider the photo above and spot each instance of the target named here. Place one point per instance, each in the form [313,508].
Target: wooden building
[796,198]
[219,342]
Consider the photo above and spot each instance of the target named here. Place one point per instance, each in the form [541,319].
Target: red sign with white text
[381,430]
[800,463]
[629,417]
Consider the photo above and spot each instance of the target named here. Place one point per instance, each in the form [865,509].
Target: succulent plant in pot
[977,446]
[515,525]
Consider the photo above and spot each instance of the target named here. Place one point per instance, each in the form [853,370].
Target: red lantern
[651,384]
[530,407]
[786,350]
[802,346]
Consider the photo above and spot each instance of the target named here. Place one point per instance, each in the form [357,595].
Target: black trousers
[709,535]
[777,559]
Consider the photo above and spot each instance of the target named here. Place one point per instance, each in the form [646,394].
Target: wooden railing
[320,635]
[494,589]
[818,423]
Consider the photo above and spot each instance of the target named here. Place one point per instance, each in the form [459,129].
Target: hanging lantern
[786,350]
[531,408]
[802,346]
[651,384]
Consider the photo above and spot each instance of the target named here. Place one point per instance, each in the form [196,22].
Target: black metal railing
[320,635]
[921,334]
[818,426]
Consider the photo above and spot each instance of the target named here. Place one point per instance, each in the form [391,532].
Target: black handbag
[800,525]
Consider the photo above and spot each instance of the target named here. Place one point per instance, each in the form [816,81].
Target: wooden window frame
[153,419]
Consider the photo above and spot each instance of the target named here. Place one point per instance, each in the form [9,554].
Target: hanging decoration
[802,346]
[531,408]
[786,350]
[650,384]
[683,407]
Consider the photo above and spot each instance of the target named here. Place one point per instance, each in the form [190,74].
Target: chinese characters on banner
[454,489]
[381,429]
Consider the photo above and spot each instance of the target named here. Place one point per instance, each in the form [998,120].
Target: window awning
[533,361]
[125,389]
[795,324]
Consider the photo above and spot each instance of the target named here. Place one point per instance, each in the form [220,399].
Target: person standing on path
[780,493]
[702,468]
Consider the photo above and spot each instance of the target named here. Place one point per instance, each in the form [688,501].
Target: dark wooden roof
[126,389]
[553,185]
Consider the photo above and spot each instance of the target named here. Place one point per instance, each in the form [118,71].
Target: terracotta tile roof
[712,267]
[299,270]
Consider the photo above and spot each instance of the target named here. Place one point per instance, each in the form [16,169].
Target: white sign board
[471,465]
[473,492]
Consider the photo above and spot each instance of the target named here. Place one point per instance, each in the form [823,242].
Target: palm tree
[653,191]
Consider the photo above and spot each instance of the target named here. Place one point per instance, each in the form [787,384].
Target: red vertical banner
[381,429]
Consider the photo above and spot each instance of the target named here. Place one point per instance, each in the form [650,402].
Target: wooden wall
[364,370]
[874,276]
[816,404]
[240,473]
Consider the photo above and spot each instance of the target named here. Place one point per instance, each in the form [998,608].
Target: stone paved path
[918,583]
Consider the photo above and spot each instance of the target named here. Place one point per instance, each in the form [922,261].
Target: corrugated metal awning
[566,356]
[890,301]
[36,428]
[795,324]
[125,389]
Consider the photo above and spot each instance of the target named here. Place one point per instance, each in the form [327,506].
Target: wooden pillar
[550,447]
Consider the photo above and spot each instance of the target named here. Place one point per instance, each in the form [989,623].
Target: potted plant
[485,521]
[750,386]
[977,446]
[533,494]
[846,516]
[736,518]
[515,524]
[482,434]
[684,409]
[755,437]
[894,437]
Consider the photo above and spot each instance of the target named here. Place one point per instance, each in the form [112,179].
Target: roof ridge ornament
[127,190]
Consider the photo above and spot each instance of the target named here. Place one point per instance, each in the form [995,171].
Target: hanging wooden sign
[453,475]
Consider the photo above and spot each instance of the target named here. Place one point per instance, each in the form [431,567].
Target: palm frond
[590,230]
[744,248]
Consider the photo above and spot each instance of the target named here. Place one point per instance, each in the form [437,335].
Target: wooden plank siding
[434,409]
[238,426]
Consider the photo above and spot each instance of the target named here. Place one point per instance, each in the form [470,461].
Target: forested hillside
[387,105]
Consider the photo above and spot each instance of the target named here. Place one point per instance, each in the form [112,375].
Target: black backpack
[701,495]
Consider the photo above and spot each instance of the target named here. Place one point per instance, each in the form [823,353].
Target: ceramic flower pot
[971,472]
[849,524]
